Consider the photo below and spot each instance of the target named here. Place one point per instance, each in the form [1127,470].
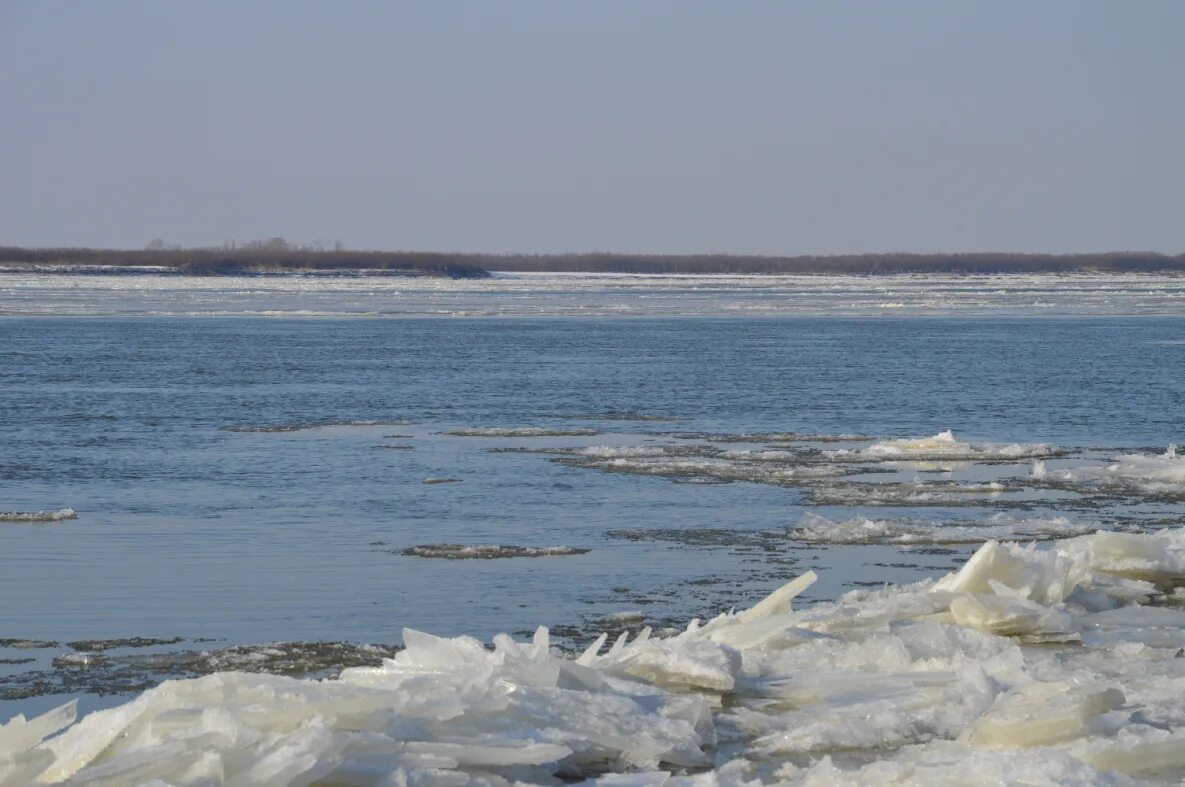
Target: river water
[237,480]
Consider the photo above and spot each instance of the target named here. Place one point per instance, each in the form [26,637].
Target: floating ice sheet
[916,493]
[783,461]
[943,445]
[1142,474]
[926,683]
[701,462]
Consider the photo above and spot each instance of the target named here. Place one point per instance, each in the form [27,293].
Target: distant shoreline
[238,262]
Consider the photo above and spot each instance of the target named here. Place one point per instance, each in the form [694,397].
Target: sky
[665,126]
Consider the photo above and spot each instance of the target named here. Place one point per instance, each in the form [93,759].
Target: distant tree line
[870,264]
[257,257]
[277,255]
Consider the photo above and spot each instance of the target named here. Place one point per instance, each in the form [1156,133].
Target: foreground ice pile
[1044,663]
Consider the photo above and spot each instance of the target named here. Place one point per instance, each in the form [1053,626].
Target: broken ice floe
[487,551]
[929,683]
[782,463]
[1156,475]
[944,446]
[38,516]
[931,493]
[703,463]
[1002,526]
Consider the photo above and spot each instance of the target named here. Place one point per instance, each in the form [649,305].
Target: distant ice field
[526,295]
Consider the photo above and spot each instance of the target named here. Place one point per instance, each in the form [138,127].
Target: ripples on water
[227,486]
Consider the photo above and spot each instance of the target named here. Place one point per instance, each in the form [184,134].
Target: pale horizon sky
[657,127]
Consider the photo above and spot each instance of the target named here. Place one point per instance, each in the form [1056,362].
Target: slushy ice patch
[928,683]
[862,530]
[917,494]
[944,446]
[1155,475]
[703,462]
[781,463]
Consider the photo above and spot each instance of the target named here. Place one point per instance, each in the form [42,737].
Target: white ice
[33,293]
[1050,663]
[943,445]
[1151,474]
[862,530]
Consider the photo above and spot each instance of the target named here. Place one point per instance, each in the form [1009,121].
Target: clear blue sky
[680,126]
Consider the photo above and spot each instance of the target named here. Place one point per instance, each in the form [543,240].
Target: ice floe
[703,463]
[932,493]
[943,445]
[38,516]
[968,679]
[862,530]
[780,463]
[1142,474]
[623,452]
